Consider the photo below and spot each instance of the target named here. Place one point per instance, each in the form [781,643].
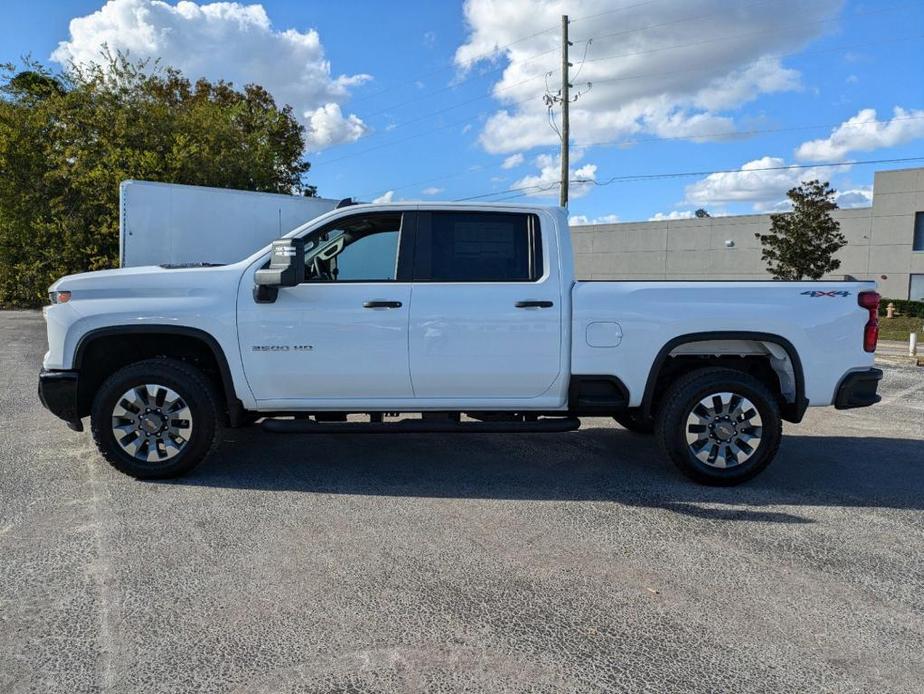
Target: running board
[421,426]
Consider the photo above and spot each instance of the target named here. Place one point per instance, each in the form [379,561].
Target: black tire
[635,422]
[685,396]
[197,394]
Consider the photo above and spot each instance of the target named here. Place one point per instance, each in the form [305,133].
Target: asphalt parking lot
[557,562]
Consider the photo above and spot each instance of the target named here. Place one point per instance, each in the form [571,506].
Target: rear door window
[477,247]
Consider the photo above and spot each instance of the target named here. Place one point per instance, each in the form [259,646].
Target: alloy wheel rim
[723,430]
[152,423]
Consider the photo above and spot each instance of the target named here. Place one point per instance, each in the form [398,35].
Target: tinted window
[916,288]
[356,249]
[918,232]
[477,247]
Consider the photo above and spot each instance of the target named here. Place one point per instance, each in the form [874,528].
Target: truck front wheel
[719,426]
[156,418]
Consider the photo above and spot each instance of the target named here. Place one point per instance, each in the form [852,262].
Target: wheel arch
[792,409]
[185,342]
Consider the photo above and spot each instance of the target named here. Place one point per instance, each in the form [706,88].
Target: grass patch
[900,327]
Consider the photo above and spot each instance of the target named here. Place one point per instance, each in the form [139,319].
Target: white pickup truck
[468,315]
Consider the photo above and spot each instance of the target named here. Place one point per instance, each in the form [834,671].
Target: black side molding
[597,395]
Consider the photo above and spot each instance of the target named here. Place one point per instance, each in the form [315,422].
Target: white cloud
[230,41]
[760,182]
[388,196]
[673,214]
[546,182]
[513,160]
[863,133]
[666,68]
[578,220]
[855,197]
[429,39]
[432,190]
[327,125]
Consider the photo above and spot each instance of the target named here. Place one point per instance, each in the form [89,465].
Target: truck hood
[147,281]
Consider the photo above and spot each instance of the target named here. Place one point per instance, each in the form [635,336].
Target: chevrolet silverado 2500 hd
[467,314]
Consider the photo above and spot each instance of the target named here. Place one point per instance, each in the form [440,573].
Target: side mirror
[286,269]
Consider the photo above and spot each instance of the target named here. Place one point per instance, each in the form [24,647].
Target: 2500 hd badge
[282,348]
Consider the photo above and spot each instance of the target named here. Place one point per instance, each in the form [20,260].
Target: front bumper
[58,392]
[858,389]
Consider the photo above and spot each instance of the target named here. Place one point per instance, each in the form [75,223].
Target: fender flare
[235,407]
[791,412]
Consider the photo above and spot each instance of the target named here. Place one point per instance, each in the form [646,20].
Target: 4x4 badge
[833,292]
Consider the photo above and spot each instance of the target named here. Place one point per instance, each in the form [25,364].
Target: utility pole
[565,99]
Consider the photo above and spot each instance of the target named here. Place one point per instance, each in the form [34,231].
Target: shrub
[903,307]
[67,140]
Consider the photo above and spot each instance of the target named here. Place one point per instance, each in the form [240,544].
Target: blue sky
[443,100]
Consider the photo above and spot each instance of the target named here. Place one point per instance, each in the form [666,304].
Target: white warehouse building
[885,242]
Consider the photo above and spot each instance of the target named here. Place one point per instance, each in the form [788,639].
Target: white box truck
[171,224]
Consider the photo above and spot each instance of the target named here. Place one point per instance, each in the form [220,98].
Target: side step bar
[421,426]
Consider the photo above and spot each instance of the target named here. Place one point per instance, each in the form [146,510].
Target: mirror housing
[286,269]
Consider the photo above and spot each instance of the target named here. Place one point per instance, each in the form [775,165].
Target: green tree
[802,243]
[67,140]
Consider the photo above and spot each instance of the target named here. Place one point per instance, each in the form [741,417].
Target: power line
[415,136]
[669,73]
[617,9]
[450,65]
[739,134]
[721,11]
[685,174]
[732,37]
[603,81]
[730,133]
[499,49]
[449,87]
[493,92]
[532,189]
[602,58]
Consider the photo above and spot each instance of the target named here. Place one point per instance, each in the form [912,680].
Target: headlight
[59,297]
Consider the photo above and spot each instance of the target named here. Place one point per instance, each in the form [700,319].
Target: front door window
[357,249]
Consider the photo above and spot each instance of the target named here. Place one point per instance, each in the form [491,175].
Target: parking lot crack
[104,577]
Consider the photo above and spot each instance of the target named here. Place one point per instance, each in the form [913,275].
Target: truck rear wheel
[156,419]
[719,426]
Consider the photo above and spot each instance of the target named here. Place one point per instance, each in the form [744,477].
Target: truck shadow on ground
[593,464]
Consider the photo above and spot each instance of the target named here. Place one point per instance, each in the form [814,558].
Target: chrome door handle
[534,304]
[382,304]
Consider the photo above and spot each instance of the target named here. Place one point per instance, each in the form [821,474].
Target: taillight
[870,301]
